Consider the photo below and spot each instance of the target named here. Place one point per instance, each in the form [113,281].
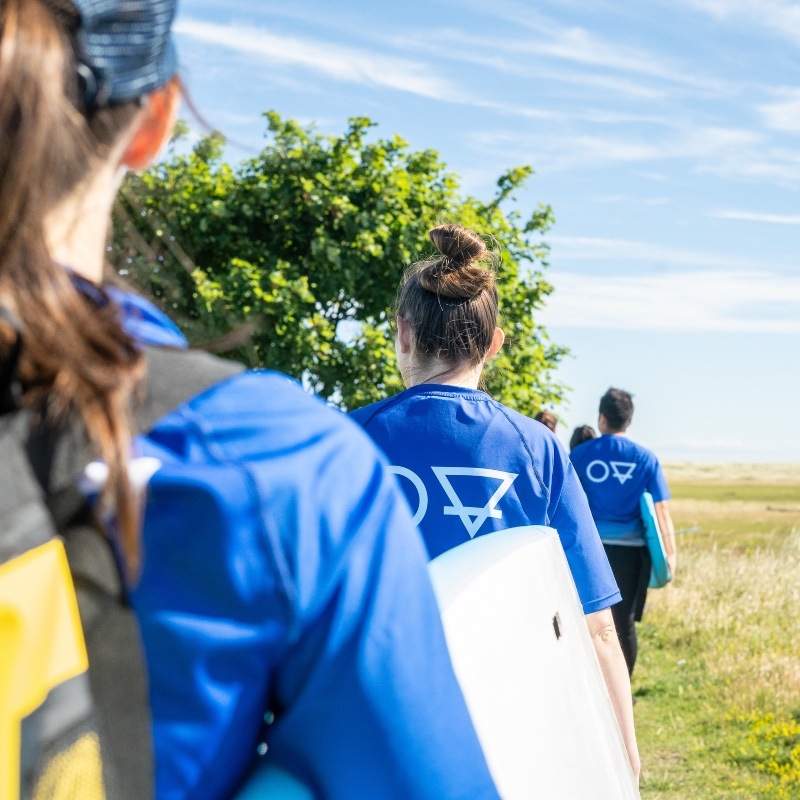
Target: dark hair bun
[458,274]
[457,244]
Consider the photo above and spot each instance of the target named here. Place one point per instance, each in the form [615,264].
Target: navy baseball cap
[124,48]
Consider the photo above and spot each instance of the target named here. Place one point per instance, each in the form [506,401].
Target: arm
[668,534]
[612,663]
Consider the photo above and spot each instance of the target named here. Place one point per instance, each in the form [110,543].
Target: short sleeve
[571,517]
[365,695]
[658,484]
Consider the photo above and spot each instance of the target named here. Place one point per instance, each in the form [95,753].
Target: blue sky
[665,134]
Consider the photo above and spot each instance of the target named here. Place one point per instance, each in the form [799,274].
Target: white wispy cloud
[521,58]
[784,114]
[338,62]
[350,65]
[780,16]
[568,249]
[720,151]
[754,216]
[707,300]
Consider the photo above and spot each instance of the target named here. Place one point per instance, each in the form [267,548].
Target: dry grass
[740,616]
[768,474]
[718,678]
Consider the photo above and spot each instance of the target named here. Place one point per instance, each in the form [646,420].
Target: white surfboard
[525,661]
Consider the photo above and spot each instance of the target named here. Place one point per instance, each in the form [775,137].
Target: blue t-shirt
[282,576]
[470,466]
[614,473]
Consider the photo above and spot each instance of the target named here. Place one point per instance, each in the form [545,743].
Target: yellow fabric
[41,644]
[76,774]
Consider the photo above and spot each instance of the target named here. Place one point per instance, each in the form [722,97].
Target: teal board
[269,782]
[659,572]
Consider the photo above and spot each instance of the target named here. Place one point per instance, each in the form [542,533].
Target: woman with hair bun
[253,536]
[468,464]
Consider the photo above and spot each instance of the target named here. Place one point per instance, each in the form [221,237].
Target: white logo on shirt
[422,492]
[473,517]
[598,471]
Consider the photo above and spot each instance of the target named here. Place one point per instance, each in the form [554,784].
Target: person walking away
[548,419]
[614,472]
[470,465]
[581,434]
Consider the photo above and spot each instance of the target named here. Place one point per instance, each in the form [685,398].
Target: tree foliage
[291,259]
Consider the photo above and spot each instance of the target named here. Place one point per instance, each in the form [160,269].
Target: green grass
[718,677]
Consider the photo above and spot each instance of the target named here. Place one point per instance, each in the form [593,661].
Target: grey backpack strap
[40,468]
[117,672]
[176,376]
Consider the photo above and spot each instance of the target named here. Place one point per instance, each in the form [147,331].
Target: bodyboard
[523,656]
[659,571]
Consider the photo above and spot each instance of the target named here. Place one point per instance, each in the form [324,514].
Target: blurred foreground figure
[276,578]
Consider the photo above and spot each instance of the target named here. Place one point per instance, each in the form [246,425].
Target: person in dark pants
[615,472]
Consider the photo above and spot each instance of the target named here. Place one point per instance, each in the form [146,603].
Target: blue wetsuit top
[282,575]
[615,472]
[470,466]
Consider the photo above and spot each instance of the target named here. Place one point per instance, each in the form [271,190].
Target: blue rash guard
[470,466]
[615,472]
[283,577]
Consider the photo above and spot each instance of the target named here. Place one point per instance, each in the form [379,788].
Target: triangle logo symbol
[622,470]
[473,517]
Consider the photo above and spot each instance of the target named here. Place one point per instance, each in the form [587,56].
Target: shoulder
[644,454]
[297,474]
[548,459]
[366,414]
[262,415]
[584,450]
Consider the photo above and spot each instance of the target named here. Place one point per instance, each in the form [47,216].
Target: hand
[672,562]
[637,769]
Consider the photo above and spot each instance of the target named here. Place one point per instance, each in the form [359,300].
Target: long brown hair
[75,353]
[451,301]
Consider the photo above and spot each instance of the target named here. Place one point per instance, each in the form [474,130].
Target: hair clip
[94,89]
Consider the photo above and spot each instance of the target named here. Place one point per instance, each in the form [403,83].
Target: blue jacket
[282,576]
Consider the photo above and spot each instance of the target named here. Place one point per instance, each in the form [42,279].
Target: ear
[405,336]
[498,339]
[153,127]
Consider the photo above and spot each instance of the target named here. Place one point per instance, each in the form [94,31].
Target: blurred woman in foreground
[274,570]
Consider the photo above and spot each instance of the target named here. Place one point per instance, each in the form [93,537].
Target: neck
[465,377]
[607,432]
[77,228]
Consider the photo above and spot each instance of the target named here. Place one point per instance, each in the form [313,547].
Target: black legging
[631,568]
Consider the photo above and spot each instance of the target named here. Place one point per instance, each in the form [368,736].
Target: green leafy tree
[291,259]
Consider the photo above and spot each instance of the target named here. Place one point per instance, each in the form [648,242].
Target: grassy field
[718,678]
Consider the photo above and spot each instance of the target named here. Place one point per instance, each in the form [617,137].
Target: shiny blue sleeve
[283,574]
[365,698]
[657,485]
[570,515]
